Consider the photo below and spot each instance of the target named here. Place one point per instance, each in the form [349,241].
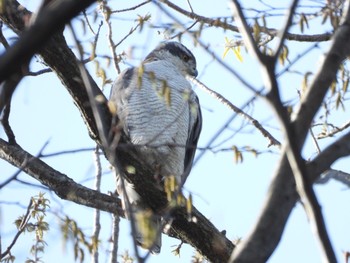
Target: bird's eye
[185,58]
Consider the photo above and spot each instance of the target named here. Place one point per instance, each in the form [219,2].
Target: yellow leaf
[237,51]
[229,44]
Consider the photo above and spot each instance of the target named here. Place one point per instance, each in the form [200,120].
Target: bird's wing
[193,136]
[120,92]
[121,84]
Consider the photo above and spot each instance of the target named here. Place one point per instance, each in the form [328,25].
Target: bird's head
[177,54]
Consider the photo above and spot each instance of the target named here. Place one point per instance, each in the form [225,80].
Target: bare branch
[244,30]
[333,152]
[282,195]
[283,32]
[291,149]
[314,140]
[51,19]
[5,123]
[21,229]
[269,31]
[7,88]
[3,40]
[61,184]
[96,220]
[336,175]
[254,122]
[106,15]
[334,131]
[323,78]
[132,8]
[114,239]
[39,72]
[43,155]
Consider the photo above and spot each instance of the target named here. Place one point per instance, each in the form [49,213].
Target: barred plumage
[160,113]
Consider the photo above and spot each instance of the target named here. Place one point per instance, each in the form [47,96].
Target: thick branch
[282,195]
[51,19]
[61,184]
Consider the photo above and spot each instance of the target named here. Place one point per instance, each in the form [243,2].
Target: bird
[160,114]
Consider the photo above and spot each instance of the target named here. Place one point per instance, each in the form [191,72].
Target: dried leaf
[339,101]
[325,16]
[305,82]
[333,86]
[256,31]
[237,155]
[345,85]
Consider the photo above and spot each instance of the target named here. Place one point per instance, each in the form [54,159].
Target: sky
[230,194]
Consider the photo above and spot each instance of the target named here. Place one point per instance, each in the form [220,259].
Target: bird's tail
[148,228]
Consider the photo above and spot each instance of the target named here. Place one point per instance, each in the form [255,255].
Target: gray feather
[161,116]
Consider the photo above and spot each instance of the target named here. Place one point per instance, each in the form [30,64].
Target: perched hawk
[160,114]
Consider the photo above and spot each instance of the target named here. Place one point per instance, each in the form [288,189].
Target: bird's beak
[194,73]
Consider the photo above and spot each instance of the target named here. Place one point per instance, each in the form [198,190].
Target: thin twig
[283,32]
[10,179]
[334,131]
[132,30]
[21,228]
[190,6]
[184,31]
[106,15]
[6,124]
[65,152]
[132,8]
[88,23]
[314,140]
[115,237]
[226,26]
[223,100]
[39,72]
[7,88]
[3,40]
[97,224]
[245,31]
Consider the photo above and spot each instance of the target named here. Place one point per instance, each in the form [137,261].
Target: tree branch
[281,198]
[269,31]
[61,184]
[283,32]
[50,20]
[292,150]
[254,122]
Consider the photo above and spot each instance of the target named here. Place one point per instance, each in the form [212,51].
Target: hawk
[160,114]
